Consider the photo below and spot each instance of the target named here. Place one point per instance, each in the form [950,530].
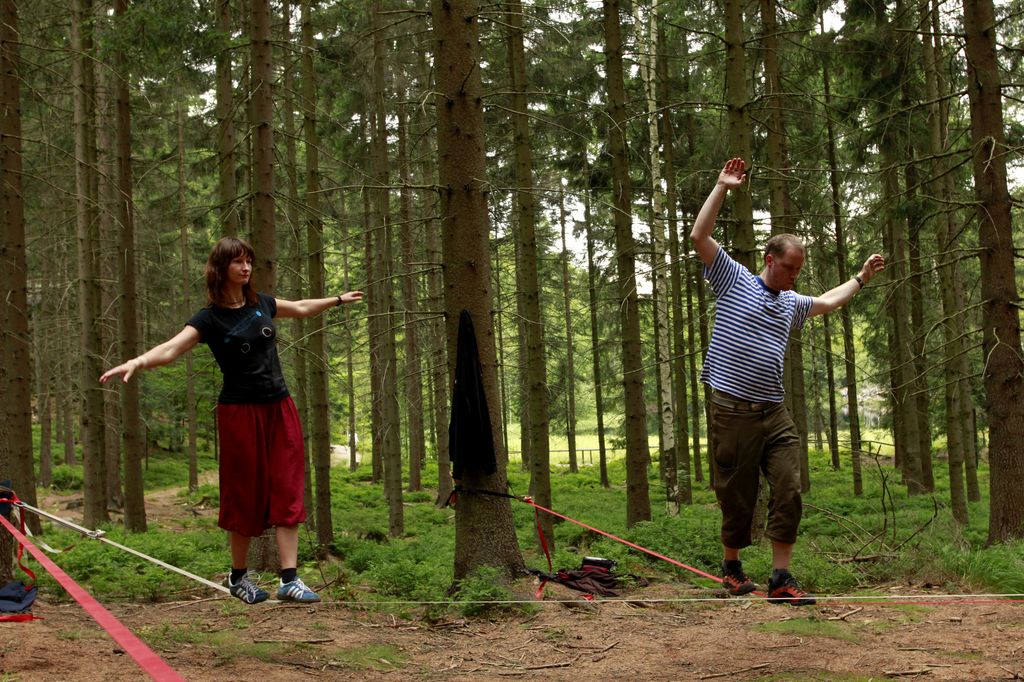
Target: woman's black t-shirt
[243,341]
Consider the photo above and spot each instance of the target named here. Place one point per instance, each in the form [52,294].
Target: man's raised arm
[731,177]
[841,295]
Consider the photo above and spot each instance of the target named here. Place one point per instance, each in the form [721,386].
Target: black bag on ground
[594,576]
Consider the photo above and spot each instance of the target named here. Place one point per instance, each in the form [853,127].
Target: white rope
[46,547]
[101,536]
[931,598]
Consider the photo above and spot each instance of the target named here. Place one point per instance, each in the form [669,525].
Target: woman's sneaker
[246,590]
[788,591]
[296,590]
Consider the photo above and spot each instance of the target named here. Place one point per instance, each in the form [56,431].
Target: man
[752,429]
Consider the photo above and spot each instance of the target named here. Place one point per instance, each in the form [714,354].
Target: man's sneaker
[737,583]
[296,590]
[246,590]
[788,591]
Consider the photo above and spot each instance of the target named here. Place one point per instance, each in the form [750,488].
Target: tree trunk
[849,350]
[67,411]
[741,234]
[816,415]
[830,376]
[264,239]
[186,312]
[319,408]
[17,361]
[227,189]
[108,267]
[296,257]
[526,273]
[782,218]
[1004,366]
[595,341]
[646,33]
[525,430]
[901,369]
[350,388]
[681,416]
[437,340]
[915,293]
[950,288]
[373,322]
[570,363]
[638,503]
[692,351]
[484,529]
[86,196]
[413,372]
[391,445]
[691,277]
[262,551]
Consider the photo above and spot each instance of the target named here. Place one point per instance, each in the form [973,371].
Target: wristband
[339,299]
[859,281]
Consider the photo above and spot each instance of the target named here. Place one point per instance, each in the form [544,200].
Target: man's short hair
[780,243]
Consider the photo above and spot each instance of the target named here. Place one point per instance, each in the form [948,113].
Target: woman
[261,449]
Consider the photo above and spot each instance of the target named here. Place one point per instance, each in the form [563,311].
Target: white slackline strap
[101,536]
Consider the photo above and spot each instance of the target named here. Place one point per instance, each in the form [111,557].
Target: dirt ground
[219,638]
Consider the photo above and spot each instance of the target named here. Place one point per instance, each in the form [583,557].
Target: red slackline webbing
[699,572]
[155,666]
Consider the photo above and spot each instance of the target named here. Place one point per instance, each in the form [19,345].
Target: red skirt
[262,468]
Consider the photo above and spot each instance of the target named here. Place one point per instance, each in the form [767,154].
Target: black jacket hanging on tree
[470,441]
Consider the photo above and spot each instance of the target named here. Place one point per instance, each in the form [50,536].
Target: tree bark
[647,48]
[782,218]
[264,239]
[484,529]
[595,341]
[638,503]
[1004,365]
[681,415]
[16,358]
[413,368]
[227,188]
[186,312]
[526,273]
[849,349]
[319,407]
[950,287]
[86,196]
[741,234]
[262,551]
[570,362]
[294,243]
[391,445]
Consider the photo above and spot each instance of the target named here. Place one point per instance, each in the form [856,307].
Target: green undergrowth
[882,542]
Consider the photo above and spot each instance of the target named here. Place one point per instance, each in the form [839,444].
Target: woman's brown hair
[223,252]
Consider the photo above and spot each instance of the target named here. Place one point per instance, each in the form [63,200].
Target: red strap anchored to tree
[680,564]
[152,664]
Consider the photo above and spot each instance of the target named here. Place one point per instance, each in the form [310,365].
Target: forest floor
[220,638]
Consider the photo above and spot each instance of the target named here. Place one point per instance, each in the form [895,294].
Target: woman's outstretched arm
[308,307]
[164,354]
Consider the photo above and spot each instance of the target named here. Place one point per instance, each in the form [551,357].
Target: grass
[373,657]
[812,627]
[914,541]
[226,645]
